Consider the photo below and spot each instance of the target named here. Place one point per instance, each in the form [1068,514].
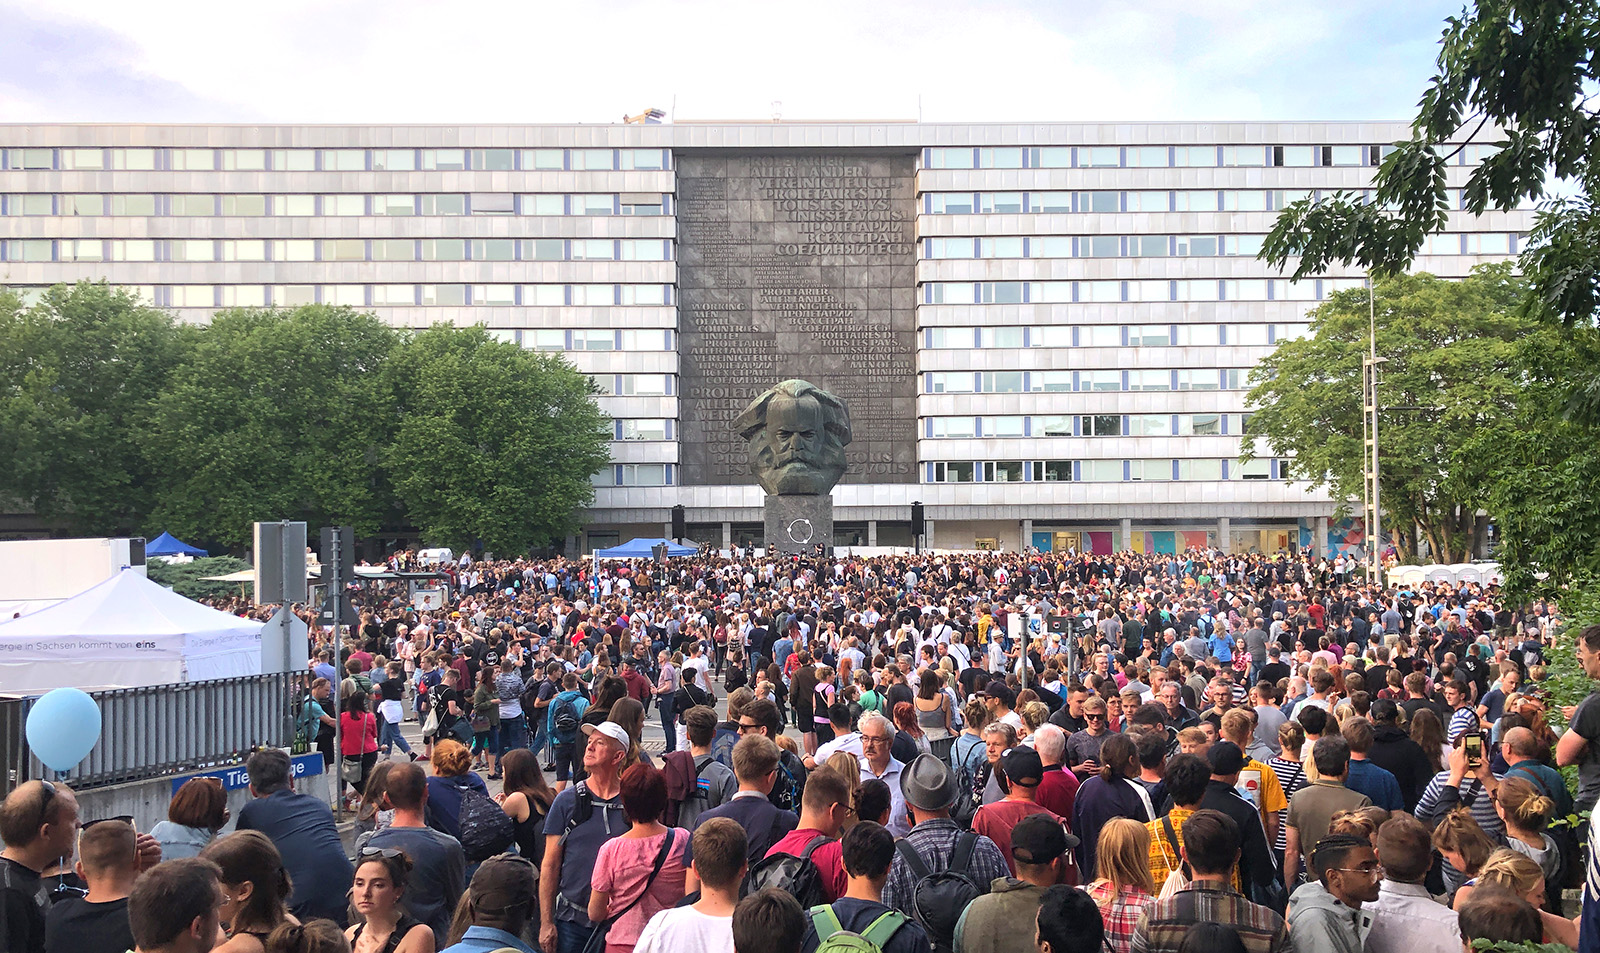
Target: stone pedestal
[796,524]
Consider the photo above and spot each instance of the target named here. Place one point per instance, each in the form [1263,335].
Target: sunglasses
[124,818]
[388,852]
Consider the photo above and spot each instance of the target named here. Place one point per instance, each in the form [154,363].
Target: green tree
[1452,349]
[1522,70]
[278,415]
[495,444]
[79,373]
[189,579]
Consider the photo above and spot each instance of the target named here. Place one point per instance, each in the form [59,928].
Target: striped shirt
[1292,777]
[1462,721]
[1163,923]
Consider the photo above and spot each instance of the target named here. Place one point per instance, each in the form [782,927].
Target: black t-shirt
[442,697]
[1376,677]
[393,689]
[972,678]
[1274,672]
[78,924]
[23,902]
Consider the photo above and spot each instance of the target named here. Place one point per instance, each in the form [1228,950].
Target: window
[494,160]
[951,203]
[1099,380]
[593,205]
[83,159]
[1007,158]
[1198,290]
[394,160]
[1101,425]
[1244,156]
[444,295]
[638,204]
[244,250]
[193,160]
[948,338]
[1053,157]
[950,158]
[1195,201]
[643,474]
[82,249]
[644,339]
[393,295]
[961,427]
[1344,155]
[1052,381]
[950,382]
[444,159]
[1150,380]
[593,159]
[1050,246]
[1101,471]
[299,205]
[494,249]
[1194,156]
[1009,426]
[244,296]
[244,205]
[1149,469]
[1147,156]
[951,248]
[294,160]
[644,294]
[1000,203]
[495,295]
[1001,337]
[1001,292]
[588,339]
[593,249]
[394,205]
[1248,335]
[1197,378]
[1149,425]
[293,296]
[1231,377]
[299,249]
[1199,425]
[193,296]
[32,203]
[544,249]
[191,250]
[1000,248]
[1245,289]
[544,159]
[1296,156]
[644,429]
[349,249]
[192,205]
[1197,246]
[640,249]
[444,203]
[594,295]
[133,250]
[645,385]
[1002,471]
[1050,335]
[344,205]
[344,160]
[1251,470]
[544,205]
[1150,335]
[1100,246]
[444,249]
[1099,201]
[1200,335]
[1199,469]
[494,203]
[952,472]
[1001,382]
[1100,157]
[1488,243]
[545,339]
[544,296]
[83,205]
[1050,202]
[1242,245]
[130,160]
[1100,291]
[642,159]
[1148,246]
[1149,201]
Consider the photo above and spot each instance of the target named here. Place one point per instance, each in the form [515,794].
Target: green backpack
[832,937]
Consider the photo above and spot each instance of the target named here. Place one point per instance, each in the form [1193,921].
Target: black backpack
[486,829]
[566,719]
[938,900]
[796,876]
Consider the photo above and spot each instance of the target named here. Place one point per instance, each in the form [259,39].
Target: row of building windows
[1178,246]
[1113,335]
[634,474]
[1086,425]
[1161,157]
[589,339]
[1197,289]
[635,385]
[1024,382]
[336,205]
[1096,471]
[1104,202]
[341,249]
[388,296]
[337,160]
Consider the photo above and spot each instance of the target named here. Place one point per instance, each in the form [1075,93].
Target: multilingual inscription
[797,266]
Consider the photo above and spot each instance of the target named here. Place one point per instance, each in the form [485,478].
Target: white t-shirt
[699,667]
[685,928]
[850,742]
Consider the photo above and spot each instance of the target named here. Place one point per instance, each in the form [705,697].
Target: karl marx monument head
[797,433]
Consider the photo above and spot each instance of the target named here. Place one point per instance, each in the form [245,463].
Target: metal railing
[166,729]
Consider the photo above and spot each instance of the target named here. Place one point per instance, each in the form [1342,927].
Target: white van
[435,557]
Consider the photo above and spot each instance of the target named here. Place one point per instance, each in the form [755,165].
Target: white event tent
[125,632]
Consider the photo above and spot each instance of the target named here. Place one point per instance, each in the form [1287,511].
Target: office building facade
[1044,331]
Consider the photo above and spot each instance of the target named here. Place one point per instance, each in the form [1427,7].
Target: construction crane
[649,117]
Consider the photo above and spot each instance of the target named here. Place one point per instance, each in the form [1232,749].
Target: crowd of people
[962,752]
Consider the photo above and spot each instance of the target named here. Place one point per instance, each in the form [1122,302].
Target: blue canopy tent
[640,549]
[169,545]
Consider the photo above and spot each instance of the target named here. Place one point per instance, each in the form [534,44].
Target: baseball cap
[611,730]
[1039,839]
[1226,758]
[1023,766]
[501,883]
[997,688]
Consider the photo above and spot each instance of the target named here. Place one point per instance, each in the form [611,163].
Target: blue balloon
[63,727]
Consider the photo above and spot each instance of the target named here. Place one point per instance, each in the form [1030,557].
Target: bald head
[1522,743]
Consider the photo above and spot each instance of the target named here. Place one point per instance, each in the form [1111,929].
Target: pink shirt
[620,871]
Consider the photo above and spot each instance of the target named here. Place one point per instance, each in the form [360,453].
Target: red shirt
[996,820]
[828,857]
[1057,791]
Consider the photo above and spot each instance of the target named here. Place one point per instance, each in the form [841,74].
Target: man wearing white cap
[581,818]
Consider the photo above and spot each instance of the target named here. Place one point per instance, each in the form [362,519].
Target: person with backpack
[706,926]
[755,765]
[761,716]
[459,805]
[695,781]
[859,921]
[938,868]
[564,718]
[807,862]
[438,875]
[642,871]
[581,819]
[1002,920]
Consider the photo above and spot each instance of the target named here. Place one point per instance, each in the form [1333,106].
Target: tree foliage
[495,444]
[189,579]
[80,372]
[1452,350]
[277,413]
[1518,69]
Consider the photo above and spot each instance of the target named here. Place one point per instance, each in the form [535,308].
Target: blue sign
[235,777]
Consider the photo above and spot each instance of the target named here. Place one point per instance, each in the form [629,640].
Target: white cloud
[503,62]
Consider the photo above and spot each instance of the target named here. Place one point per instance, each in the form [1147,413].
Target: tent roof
[640,547]
[169,545]
[127,604]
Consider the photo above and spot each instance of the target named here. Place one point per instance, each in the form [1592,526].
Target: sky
[592,61]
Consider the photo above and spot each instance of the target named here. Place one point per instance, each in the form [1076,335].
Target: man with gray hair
[877,735]
[1060,787]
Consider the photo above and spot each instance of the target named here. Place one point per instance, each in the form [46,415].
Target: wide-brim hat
[928,783]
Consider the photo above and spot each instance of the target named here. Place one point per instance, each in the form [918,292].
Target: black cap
[1022,766]
[1226,758]
[997,688]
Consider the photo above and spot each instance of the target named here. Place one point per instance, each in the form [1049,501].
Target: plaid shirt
[1163,858]
[1163,923]
[935,842]
[1120,909]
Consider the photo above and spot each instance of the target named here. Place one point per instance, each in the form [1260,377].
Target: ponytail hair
[1524,804]
[314,936]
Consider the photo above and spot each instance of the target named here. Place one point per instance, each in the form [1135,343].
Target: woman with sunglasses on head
[385,927]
